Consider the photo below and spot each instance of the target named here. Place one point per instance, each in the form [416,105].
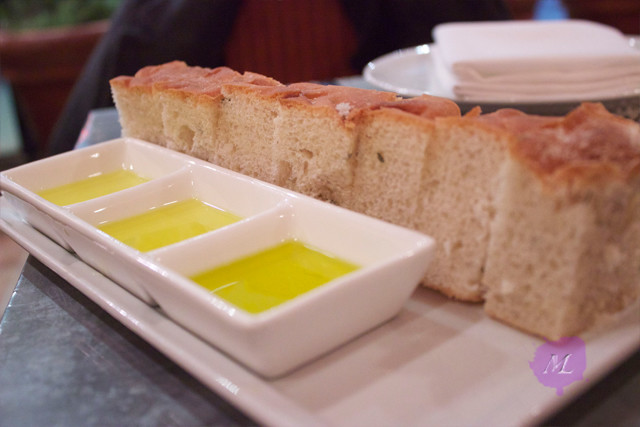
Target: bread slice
[458,183]
[191,106]
[391,143]
[245,139]
[316,138]
[565,242]
[137,102]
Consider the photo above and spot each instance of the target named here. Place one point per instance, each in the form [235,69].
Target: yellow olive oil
[268,278]
[92,187]
[168,224]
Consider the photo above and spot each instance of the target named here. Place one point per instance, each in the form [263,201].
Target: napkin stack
[535,60]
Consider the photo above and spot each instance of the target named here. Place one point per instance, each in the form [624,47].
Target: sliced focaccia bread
[564,252]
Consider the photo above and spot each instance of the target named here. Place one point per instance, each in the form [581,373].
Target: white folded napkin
[535,60]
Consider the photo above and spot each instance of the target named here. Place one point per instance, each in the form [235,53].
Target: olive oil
[92,187]
[168,224]
[268,278]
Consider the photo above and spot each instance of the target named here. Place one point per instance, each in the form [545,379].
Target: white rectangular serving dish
[392,259]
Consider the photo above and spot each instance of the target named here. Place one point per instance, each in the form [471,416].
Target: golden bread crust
[345,101]
[587,145]
[426,106]
[178,76]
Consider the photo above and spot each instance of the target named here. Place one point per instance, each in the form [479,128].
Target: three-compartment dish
[165,218]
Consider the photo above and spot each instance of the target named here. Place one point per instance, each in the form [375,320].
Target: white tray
[438,362]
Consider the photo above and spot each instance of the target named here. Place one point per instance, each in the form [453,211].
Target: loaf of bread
[537,217]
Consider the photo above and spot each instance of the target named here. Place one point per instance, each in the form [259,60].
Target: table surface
[64,361]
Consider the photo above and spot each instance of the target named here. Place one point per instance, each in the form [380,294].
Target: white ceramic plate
[438,362]
[410,72]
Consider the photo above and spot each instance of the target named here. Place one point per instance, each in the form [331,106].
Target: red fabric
[292,40]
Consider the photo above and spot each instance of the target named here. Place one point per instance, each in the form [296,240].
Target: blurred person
[152,32]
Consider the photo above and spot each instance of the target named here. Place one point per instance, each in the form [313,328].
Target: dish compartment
[146,160]
[391,261]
